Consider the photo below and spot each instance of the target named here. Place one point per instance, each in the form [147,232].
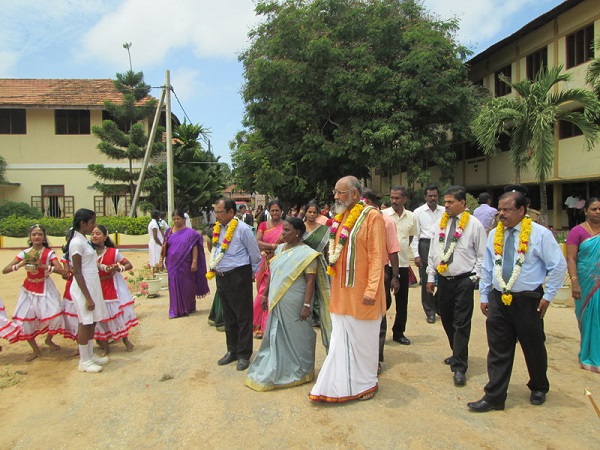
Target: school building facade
[562,36]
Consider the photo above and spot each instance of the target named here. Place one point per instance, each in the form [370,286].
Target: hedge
[14,226]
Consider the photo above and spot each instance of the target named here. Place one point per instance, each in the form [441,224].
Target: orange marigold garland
[218,256]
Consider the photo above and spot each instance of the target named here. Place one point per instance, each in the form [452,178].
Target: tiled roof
[48,93]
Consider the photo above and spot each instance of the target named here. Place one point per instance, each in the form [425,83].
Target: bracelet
[15,267]
[307,305]
[573,278]
[121,268]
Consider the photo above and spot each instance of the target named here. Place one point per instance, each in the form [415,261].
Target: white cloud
[210,28]
[482,20]
[9,60]
[187,83]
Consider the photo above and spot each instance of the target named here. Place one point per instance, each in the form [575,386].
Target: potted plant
[144,282]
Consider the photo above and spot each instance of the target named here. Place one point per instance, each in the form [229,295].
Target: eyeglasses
[219,212]
[338,192]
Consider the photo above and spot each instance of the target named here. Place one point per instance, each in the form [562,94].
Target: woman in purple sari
[184,257]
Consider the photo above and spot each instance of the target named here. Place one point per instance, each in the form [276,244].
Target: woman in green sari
[287,353]
[317,238]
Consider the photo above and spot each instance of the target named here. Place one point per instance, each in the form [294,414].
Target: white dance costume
[8,329]
[118,299]
[39,308]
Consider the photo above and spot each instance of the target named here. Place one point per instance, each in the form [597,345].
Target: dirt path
[203,405]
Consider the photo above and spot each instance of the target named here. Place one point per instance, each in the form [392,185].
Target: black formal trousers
[388,302]
[235,290]
[455,299]
[505,325]
[427,299]
[401,299]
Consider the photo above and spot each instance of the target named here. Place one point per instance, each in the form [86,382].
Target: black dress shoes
[431,319]
[402,340]
[485,406]
[459,379]
[537,398]
[448,361]
[228,358]
[243,364]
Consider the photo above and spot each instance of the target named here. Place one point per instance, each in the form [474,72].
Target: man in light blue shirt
[234,275]
[485,212]
[522,319]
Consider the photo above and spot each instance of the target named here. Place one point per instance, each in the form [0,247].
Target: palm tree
[593,73]
[530,121]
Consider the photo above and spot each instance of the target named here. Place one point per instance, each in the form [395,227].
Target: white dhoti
[350,368]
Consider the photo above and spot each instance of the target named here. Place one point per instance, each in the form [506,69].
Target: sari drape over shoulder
[184,285]
[587,308]
[287,353]
[318,240]
[270,236]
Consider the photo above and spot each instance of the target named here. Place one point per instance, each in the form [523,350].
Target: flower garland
[355,213]
[217,257]
[521,250]
[460,228]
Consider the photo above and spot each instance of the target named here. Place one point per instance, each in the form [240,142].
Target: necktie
[449,238]
[508,260]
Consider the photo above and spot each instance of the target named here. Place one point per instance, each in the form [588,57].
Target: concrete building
[562,36]
[46,139]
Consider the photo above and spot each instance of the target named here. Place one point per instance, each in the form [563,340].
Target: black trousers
[427,299]
[505,325]
[401,306]
[456,309]
[235,290]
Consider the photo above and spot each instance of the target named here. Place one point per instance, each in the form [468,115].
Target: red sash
[35,281]
[109,292]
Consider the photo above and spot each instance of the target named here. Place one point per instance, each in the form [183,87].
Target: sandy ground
[170,393]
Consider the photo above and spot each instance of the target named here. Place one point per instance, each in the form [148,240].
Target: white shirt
[468,253]
[406,226]
[188,221]
[427,222]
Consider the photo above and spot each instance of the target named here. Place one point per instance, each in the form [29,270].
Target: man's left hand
[368,301]
[395,285]
[542,307]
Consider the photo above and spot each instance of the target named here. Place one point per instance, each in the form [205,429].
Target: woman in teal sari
[287,353]
[583,250]
[317,238]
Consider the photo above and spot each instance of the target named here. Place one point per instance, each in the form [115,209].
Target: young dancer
[39,310]
[119,301]
[8,329]
[86,291]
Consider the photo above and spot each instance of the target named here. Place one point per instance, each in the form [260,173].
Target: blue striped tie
[508,260]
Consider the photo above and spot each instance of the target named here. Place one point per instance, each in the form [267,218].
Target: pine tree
[123,137]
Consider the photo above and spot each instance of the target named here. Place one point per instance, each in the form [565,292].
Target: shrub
[19,209]
[14,226]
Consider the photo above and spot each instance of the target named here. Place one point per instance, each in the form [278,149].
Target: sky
[198,41]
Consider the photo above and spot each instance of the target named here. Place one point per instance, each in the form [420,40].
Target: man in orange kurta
[357,302]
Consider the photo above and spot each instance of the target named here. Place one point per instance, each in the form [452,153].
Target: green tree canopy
[199,177]
[334,87]
[124,137]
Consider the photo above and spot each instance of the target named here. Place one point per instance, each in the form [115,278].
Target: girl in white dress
[119,301]
[39,309]
[86,291]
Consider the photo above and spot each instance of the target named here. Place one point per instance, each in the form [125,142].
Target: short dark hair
[228,204]
[457,191]
[399,188]
[484,197]
[520,199]
[178,212]
[311,204]
[370,195]
[297,223]
[432,187]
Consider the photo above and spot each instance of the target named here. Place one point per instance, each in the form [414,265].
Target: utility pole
[138,188]
[170,183]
